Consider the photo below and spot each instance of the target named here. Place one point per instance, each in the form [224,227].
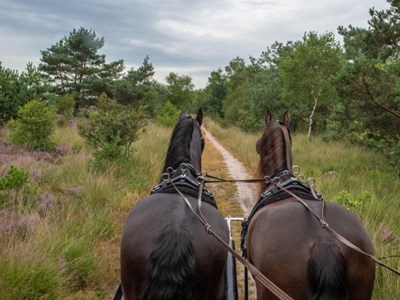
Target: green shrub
[169,115]
[64,105]
[15,179]
[34,126]
[111,128]
[16,188]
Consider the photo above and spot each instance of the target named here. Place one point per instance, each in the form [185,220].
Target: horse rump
[171,269]
[327,271]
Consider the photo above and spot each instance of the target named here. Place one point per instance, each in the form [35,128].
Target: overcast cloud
[187,37]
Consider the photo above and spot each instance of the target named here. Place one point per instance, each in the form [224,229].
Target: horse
[289,245]
[166,252]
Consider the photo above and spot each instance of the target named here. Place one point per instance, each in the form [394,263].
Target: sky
[187,37]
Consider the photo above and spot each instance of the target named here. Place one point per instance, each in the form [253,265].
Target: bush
[16,188]
[111,128]
[64,105]
[34,126]
[15,179]
[169,115]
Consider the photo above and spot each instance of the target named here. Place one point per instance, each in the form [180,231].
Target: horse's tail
[327,270]
[171,269]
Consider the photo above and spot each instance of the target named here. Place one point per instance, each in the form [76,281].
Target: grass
[361,174]
[65,243]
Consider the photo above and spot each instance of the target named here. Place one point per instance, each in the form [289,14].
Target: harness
[182,178]
[275,193]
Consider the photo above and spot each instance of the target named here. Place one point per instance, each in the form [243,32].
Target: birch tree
[307,75]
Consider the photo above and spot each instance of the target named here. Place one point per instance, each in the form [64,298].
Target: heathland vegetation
[81,141]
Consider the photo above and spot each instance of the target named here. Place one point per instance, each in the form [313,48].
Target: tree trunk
[312,112]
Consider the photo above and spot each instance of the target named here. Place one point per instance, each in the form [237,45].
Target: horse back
[159,218]
[285,241]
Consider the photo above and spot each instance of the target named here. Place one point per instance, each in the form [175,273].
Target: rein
[256,273]
[221,180]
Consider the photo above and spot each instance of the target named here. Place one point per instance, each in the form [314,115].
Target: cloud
[183,36]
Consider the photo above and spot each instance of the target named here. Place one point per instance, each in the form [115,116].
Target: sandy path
[246,193]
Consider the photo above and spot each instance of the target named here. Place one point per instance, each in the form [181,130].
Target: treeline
[346,90]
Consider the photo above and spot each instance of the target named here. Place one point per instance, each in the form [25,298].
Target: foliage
[307,75]
[214,94]
[34,126]
[180,91]
[111,128]
[74,67]
[17,89]
[133,87]
[168,115]
[15,179]
[64,105]
[16,188]
[13,94]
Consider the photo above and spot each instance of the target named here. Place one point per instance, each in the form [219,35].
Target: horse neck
[182,148]
[277,156]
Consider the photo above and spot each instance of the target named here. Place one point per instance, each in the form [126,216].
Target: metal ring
[311,181]
[296,170]
[267,179]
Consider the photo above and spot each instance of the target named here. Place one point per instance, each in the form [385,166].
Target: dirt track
[246,195]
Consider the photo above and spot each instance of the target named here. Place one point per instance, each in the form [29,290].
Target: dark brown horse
[166,253]
[287,243]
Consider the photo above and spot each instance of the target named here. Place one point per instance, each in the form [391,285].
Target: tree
[36,84]
[369,85]
[13,94]
[74,67]
[307,75]
[180,91]
[133,87]
[215,93]
[238,91]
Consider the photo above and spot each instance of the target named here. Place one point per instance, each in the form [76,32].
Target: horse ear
[268,117]
[286,119]
[199,116]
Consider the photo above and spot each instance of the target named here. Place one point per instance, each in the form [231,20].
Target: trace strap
[256,273]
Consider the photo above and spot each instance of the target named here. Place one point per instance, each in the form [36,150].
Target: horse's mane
[179,146]
[273,157]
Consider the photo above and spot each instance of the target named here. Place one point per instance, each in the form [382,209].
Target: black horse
[287,243]
[166,252]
